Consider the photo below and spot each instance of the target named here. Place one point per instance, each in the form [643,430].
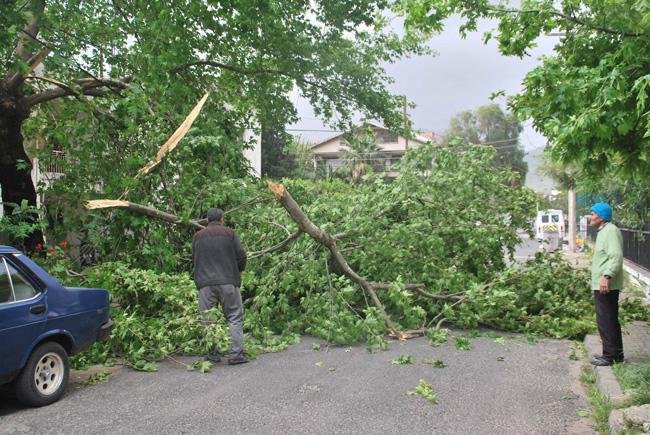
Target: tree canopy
[492,126]
[129,70]
[590,99]
[277,160]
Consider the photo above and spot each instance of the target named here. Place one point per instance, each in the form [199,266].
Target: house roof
[418,137]
[429,135]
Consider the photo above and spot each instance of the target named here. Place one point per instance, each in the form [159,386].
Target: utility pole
[406,123]
[572,219]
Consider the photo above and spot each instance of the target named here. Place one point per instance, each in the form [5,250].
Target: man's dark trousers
[609,327]
[229,297]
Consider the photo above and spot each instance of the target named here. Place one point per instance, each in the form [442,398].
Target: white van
[547,221]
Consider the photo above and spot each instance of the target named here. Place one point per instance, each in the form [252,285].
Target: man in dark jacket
[219,260]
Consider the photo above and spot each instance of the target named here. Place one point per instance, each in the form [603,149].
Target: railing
[636,244]
[56,163]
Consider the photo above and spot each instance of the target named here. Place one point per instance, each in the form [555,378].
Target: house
[392,148]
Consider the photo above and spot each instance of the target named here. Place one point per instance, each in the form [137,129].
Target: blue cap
[603,210]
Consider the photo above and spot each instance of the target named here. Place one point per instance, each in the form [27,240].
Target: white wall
[254,155]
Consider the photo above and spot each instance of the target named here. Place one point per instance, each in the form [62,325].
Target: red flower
[39,246]
[64,244]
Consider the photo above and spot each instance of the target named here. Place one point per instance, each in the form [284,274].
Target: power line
[320,131]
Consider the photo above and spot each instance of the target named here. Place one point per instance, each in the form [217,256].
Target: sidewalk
[640,277]
[636,345]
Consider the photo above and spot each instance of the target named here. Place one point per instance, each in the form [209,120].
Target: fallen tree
[376,259]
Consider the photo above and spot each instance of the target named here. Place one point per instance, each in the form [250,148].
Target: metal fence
[636,244]
[56,163]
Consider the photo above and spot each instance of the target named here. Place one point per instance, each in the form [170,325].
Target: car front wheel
[45,376]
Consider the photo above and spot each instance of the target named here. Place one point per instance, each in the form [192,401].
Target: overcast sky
[460,77]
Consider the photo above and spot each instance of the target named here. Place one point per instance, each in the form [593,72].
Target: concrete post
[572,219]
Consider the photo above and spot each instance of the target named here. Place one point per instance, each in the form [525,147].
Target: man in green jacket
[607,282]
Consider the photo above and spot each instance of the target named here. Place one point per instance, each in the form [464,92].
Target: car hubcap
[48,375]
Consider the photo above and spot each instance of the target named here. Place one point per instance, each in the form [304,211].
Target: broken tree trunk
[139,208]
[325,239]
[168,217]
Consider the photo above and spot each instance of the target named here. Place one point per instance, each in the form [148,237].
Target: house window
[386,137]
[392,161]
[334,164]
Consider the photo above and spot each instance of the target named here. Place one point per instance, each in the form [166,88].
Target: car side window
[6,291]
[22,288]
[13,286]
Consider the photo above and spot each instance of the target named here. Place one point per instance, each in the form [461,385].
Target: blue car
[42,323]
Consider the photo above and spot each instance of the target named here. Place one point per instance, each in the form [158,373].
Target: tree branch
[31,28]
[232,68]
[240,70]
[142,209]
[277,247]
[88,86]
[173,219]
[322,237]
[566,17]
[418,288]
[256,200]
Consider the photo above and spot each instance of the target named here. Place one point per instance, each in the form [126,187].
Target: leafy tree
[276,159]
[590,99]
[563,175]
[630,197]
[491,125]
[303,157]
[108,80]
[361,154]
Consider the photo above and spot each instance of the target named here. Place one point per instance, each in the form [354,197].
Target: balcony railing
[56,163]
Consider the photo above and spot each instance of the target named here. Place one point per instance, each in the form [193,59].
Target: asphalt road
[511,388]
[525,250]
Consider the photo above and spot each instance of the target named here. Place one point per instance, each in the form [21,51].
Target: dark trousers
[609,327]
[229,297]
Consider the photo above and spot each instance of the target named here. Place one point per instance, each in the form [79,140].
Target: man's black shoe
[213,357]
[239,359]
[601,362]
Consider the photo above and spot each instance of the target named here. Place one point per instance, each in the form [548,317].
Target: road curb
[606,381]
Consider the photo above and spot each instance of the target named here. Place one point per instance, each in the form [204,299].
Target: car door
[23,311]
